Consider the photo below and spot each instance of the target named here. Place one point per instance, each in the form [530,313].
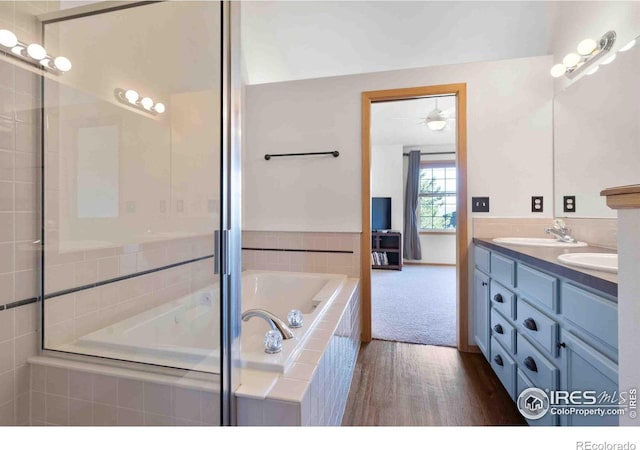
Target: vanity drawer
[504,366]
[522,383]
[594,315]
[502,299]
[503,331]
[482,258]
[537,326]
[542,373]
[503,269]
[538,287]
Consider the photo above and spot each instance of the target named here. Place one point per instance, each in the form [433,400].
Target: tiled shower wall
[302,252]
[19,213]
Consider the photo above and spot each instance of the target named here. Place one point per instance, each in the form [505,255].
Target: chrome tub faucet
[274,322]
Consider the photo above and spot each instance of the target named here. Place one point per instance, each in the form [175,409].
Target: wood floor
[408,384]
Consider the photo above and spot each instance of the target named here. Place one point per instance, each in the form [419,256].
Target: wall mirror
[596,135]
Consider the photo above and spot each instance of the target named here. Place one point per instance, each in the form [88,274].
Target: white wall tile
[105,390]
[129,417]
[277,413]
[57,381]
[80,412]
[130,394]
[57,409]
[158,399]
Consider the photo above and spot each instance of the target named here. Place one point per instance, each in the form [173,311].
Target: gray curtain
[412,248]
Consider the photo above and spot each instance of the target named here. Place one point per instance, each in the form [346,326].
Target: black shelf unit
[389,242]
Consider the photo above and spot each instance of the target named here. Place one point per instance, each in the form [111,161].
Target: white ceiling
[290,40]
[403,122]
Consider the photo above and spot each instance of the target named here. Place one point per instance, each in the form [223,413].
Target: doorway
[458,92]
[413,220]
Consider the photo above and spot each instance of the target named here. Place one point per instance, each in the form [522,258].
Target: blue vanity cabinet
[544,330]
[481,311]
[586,369]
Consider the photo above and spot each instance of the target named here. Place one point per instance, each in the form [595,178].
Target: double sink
[606,262]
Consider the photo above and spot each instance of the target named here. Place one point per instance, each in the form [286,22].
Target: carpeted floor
[416,304]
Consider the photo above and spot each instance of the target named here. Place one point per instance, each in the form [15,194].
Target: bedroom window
[437,200]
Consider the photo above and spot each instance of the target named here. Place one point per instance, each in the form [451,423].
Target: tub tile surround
[70,316]
[317,252]
[313,391]
[74,393]
[597,232]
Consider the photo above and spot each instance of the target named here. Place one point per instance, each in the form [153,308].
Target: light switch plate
[479,204]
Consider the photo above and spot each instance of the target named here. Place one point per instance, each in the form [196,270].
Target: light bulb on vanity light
[587,47]
[159,107]
[62,64]
[36,51]
[146,103]
[558,70]
[131,96]
[8,39]
[571,60]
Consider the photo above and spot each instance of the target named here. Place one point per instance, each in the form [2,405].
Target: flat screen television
[380,213]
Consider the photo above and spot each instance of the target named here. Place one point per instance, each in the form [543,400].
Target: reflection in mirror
[597,135]
[97,174]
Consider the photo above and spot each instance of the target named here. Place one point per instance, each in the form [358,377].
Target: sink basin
[538,242]
[607,262]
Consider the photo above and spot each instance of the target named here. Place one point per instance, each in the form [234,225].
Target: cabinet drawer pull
[530,324]
[498,360]
[498,329]
[530,364]
[484,283]
[498,298]
[561,344]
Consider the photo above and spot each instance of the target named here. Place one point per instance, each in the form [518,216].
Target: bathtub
[184,333]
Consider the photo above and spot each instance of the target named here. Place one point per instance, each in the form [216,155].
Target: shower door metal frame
[228,255]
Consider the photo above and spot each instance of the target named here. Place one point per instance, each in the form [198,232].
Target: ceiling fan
[437,119]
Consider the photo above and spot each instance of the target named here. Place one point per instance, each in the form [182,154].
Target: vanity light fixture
[132,98]
[589,51]
[34,54]
[436,120]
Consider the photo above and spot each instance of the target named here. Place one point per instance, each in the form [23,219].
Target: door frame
[462,243]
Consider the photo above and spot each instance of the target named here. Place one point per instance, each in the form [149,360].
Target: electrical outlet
[537,204]
[569,203]
[479,204]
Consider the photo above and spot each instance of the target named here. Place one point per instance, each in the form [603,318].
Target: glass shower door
[135,190]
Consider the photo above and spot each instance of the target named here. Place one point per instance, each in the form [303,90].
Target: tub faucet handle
[295,318]
[272,341]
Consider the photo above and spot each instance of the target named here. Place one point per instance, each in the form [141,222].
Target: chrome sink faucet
[274,322]
[560,231]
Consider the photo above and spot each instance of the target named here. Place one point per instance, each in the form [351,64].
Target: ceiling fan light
[437,125]
[436,121]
